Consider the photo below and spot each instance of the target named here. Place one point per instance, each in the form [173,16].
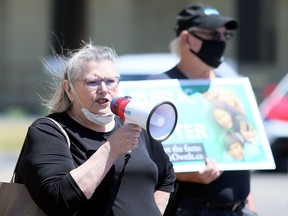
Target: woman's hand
[124,139]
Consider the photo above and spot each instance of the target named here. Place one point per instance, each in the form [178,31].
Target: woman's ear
[68,89]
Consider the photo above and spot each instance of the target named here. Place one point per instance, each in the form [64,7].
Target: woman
[224,115]
[80,180]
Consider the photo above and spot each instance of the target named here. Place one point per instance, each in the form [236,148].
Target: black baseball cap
[203,16]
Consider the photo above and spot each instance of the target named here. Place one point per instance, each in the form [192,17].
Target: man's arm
[251,203]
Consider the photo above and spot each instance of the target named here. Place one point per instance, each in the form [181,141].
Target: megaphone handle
[128,122]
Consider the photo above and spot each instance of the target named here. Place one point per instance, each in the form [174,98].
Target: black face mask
[211,52]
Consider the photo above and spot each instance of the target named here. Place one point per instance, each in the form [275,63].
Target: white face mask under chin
[98,119]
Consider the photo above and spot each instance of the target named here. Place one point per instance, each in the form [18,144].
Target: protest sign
[217,119]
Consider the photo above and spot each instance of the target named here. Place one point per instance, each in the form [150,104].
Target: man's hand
[209,174]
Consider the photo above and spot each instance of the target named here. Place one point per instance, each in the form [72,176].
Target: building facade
[33,29]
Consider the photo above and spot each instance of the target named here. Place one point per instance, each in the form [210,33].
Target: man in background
[202,34]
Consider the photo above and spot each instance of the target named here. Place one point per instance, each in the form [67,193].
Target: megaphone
[159,121]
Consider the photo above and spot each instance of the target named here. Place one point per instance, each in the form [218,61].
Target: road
[270,189]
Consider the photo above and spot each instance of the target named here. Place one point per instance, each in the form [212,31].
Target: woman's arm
[86,176]
[161,199]
[124,139]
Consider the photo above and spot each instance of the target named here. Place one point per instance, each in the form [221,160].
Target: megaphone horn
[159,121]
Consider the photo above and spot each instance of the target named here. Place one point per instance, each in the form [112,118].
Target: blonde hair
[175,46]
[73,67]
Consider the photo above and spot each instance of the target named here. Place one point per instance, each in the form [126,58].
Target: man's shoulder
[170,74]
[158,76]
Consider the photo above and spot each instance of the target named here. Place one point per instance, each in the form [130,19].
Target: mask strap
[192,51]
[73,89]
[196,36]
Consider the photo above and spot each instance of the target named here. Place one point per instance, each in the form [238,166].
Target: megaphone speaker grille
[162,121]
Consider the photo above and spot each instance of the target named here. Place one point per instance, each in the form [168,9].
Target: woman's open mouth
[102,101]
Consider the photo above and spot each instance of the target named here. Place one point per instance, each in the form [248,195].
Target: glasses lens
[219,35]
[94,83]
[228,35]
[212,35]
[110,83]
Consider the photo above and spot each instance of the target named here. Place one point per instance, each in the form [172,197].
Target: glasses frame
[95,83]
[214,36]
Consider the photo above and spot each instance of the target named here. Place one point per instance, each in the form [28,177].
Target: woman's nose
[102,86]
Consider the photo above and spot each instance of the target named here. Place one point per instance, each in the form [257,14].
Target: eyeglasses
[94,83]
[216,36]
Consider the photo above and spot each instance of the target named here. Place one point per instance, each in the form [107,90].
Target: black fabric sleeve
[166,175]
[44,167]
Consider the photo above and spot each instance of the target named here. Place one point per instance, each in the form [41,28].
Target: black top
[230,187]
[46,160]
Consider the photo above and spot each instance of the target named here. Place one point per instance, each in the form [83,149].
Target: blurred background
[32,30]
